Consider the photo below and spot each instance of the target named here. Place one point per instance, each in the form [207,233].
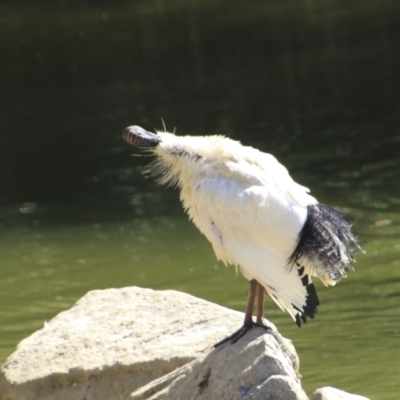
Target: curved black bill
[137,136]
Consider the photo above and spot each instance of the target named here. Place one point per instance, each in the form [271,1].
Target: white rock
[112,342]
[259,366]
[330,393]
[118,341]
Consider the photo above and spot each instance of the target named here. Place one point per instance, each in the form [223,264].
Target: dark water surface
[316,83]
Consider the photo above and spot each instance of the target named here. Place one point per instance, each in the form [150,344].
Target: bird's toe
[247,326]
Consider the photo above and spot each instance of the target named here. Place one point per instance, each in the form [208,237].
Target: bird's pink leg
[260,308]
[248,318]
[260,304]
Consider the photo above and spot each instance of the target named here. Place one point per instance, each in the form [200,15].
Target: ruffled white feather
[245,203]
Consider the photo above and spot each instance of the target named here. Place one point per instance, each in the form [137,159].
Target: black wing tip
[312,301]
[310,308]
[299,318]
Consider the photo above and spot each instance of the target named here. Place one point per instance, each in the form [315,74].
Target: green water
[313,82]
[351,344]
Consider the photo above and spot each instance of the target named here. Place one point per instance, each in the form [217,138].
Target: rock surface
[142,344]
[111,342]
[330,393]
[261,365]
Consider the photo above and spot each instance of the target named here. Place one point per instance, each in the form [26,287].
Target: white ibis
[256,218]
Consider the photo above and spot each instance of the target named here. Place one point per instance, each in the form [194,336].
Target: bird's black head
[137,136]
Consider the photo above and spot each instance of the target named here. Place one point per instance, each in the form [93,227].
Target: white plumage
[254,214]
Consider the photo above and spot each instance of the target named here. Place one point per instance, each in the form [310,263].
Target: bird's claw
[241,332]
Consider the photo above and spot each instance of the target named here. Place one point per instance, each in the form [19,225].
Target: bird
[256,217]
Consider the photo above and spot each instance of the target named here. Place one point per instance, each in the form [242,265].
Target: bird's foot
[241,332]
